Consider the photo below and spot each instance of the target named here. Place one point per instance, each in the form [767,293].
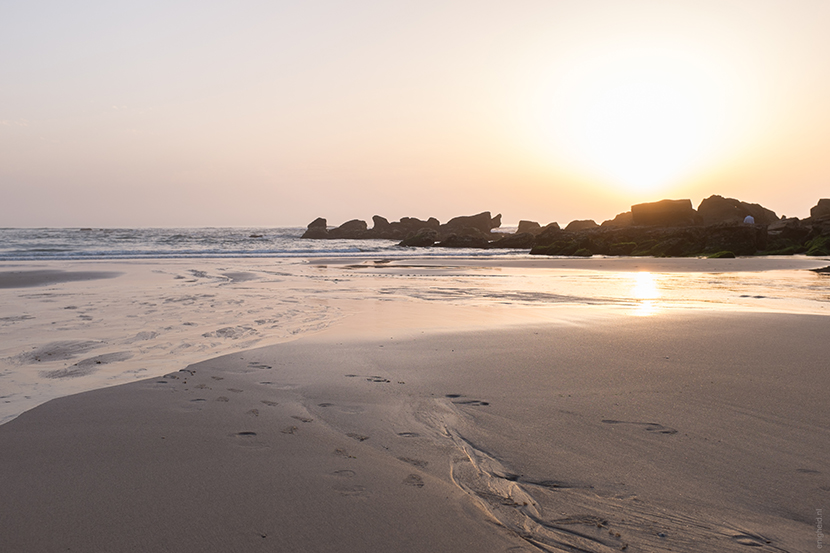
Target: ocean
[42,244]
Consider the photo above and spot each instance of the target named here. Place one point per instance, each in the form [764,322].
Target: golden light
[638,120]
[645,291]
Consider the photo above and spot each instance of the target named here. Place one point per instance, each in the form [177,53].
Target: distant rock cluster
[720,227]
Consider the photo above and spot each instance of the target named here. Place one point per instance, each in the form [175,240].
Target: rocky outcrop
[665,213]
[625,219]
[482,222]
[424,238]
[717,210]
[666,228]
[653,241]
[529,226]
[354,229]
[584,224]
[517,241]
[316,229]
[821,209]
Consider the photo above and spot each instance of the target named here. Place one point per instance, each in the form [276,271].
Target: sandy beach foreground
[691,431]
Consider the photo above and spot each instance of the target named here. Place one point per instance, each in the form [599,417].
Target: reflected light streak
[645,292]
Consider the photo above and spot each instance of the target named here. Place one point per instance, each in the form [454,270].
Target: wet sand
[491,420]
[43,277]
[686,432]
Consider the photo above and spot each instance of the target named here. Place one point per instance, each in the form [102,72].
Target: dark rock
[519,241]
[468,237]
[483,222]
[622,248]
[581,225]
[621,220]
[549,233]
[415,223]
[820,245]
[740,239]
[653,241]
[379,223]
[316,229]
[717,210]
[821,209]
[424,238]
[665,213]
[354,229]
[529,226]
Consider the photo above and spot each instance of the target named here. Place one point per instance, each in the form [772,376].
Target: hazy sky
[249,113]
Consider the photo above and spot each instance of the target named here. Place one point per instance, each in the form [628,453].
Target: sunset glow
[117,115]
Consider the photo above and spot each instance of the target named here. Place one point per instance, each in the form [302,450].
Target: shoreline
[149,317]
[610,435]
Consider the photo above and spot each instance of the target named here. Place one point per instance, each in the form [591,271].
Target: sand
[421,425]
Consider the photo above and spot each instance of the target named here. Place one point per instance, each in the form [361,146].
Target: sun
[638,120]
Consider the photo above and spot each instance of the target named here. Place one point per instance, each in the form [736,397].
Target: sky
[273,113]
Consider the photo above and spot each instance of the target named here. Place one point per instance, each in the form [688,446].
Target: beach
[410,404]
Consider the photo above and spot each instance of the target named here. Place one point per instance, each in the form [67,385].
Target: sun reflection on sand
[645,292]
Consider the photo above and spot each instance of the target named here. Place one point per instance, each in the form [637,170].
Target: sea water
[170,243]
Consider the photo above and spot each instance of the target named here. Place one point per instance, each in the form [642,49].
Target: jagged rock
[740,239]
[483,222]
[717,209]
[529,226]
[653,241]
[467,237]
[518,241]
[624,219]
[379,223]
[821,209]
[581,225]
[415,223]
[665,213]
[354,229]
[425,238]
[316,229]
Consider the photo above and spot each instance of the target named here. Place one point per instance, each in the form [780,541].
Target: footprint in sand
[302,419]
[409,435]
[473,402]
[254,412]
[351,491]
[235,390]
[378,379]
[415,462]
[289,430]
[414,480]
[358,437]
[647,426]
[344,473]
[269,403]
[248,439]
[339,452]
[223,398]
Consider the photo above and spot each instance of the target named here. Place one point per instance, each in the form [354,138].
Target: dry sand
[573,428]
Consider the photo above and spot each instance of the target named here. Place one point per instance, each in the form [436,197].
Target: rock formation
[717,210]
[665,213]
[821,209]
[666,228]
[583,224]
